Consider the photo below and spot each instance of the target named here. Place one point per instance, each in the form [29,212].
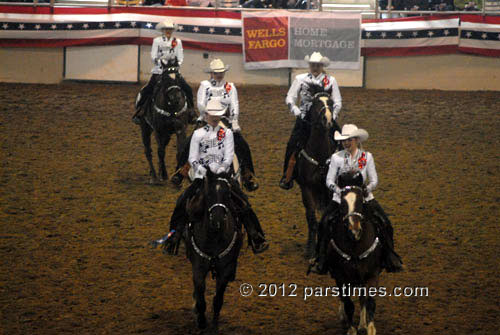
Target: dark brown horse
[165,114]
[354,255]
[312,162]
[213,244]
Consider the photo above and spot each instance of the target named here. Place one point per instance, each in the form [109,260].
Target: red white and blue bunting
[222,31]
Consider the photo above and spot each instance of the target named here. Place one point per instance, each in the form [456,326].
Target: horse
[164,114]
[354,254]
[213,244]
[312,165]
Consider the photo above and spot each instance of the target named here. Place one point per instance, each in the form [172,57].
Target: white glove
[235,125]
[213,167]
[221,170]
[334,188]
[296,111]
[200,172]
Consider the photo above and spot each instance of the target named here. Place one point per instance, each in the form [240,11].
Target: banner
[280,38]
[480,35]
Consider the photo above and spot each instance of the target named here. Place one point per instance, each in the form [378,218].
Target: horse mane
[314,89]
[350,178]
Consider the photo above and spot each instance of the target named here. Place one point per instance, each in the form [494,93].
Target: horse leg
[199,275]
[181,143]
[312,223]
[162,141]
[367,315]
[221,284]
[346,311]
[146,140]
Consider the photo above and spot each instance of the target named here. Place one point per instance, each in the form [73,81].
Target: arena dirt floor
[76,213]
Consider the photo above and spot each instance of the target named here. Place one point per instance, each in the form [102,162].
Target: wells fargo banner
[282,39]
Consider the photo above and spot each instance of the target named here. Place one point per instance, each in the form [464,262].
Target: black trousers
[148,89]
[241,148]
[300,133]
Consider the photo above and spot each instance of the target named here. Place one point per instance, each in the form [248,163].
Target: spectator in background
[471,6]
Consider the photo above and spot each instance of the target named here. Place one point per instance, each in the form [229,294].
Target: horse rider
[299,88]
[354,158]
[212,147]
[217,87]
[166,49]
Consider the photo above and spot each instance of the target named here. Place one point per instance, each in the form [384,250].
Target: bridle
[219,204]
[169,103]
[357,214]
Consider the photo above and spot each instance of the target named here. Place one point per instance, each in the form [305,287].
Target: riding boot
[254,230]
[286,181]
[180,174]
[242,150]
[189,97]
[392,261]
[182,160]
[324,232]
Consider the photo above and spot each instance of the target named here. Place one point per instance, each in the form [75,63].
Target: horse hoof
[201,322]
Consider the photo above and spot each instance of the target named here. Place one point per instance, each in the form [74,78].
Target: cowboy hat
[167,24]
[317,57]
[217,65]
[350,131]
[215,107]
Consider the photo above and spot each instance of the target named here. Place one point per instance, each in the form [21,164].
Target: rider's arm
[235,109]
[179,52]
[371,173]
[292,97]
[201,100]
[194,151]
[337,99]
[332,175]
[228,150]
[154,51]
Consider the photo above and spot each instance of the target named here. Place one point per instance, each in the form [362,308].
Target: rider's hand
[235,126]
[296,111]
[213,167]
[221,170]
[201,171]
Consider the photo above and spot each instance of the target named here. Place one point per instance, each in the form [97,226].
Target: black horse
[213,243]
[311,166]
[164,114]
[354,254]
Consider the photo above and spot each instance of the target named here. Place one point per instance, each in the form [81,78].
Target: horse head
[217,190]
[321,110]
[351,203]
[169,97]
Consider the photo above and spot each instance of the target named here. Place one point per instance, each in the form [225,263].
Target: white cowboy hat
[217,65]
[167,24]
[317,57]
[349,131]
[215,107]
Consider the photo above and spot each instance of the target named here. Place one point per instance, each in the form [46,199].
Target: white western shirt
[212,147]
[224,90]
[166,48]
[299,89]
[342,161]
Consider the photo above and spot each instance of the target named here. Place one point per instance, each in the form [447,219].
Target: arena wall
[446,72]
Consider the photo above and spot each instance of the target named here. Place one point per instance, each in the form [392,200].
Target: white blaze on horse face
[350,199]
[328,112]
[362,318]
